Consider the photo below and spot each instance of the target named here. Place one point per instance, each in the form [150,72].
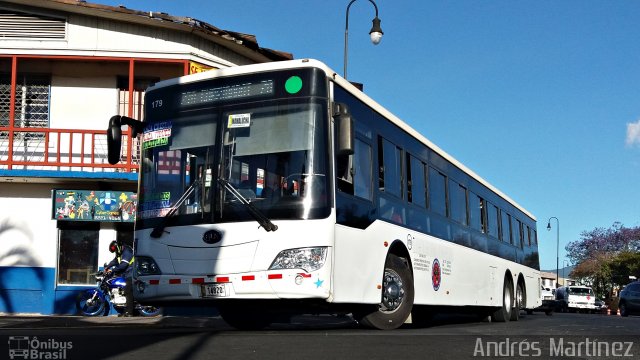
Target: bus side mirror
[114,135]
[344,129]
[114,140]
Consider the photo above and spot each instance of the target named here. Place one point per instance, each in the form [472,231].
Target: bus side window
[477,212]
[506,227]
[344,173]
[518,233]
[492,219]
[354,171]
[390,174]
[416,184]
[458,202]
[437,192]
[362,171]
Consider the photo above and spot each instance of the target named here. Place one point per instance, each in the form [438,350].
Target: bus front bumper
[582,306]
[277,284]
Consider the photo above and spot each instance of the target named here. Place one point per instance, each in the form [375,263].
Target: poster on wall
[93,205]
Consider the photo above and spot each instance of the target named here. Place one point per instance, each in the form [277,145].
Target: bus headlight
[146,266]
[307,259]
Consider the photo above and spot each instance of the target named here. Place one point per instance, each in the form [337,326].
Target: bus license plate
[214,290]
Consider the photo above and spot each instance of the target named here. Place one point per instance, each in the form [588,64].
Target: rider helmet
[114,247]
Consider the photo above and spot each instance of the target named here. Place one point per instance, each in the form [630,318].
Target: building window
[32,101]
[19,25]
[5,99]
[139,87]
[31,110]
[78,254]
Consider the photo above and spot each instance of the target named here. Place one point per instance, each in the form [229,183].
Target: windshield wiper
[260,217]
[159,230]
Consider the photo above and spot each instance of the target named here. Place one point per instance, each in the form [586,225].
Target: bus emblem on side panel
[212,237]
[436,275]
[410,241]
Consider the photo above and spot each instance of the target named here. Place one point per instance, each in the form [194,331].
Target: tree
[626,264]
[600,240]
[594,272]
[604,258]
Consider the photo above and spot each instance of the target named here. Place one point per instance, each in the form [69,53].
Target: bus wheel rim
[507,300]
[393,291]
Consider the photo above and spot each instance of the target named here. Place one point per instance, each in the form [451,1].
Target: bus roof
[310,63]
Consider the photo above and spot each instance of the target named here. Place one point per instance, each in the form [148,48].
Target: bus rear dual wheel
[511,306]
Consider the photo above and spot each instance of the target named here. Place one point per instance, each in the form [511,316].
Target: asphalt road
[560,336]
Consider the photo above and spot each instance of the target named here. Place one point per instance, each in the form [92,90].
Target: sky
[540,98]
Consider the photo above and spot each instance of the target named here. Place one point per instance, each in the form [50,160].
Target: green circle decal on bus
[293,84]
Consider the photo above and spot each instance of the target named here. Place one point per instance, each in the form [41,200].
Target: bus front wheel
[397,297]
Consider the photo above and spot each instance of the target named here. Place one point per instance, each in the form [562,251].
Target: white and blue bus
[276,188]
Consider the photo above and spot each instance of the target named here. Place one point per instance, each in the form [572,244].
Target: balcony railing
[63,150]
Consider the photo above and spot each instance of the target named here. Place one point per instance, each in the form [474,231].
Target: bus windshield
[272,153]
[580,291]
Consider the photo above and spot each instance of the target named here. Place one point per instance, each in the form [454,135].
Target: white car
[574,298]
[546,294]
[548,301]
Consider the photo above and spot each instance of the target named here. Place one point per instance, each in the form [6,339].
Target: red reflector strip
[274,276]
[154,282]
[248,277]
[197,280]
[305,275]
[175,281]
[222,279]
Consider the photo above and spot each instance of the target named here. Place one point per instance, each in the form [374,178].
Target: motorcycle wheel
[149,311]
[88,307]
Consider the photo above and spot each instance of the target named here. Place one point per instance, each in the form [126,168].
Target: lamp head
[549,226]
[376,31]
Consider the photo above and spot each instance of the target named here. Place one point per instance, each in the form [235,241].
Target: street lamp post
[557,246]
[375,33]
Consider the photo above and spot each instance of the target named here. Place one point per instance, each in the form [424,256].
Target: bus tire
[518,303]
[503,313]
[397,297]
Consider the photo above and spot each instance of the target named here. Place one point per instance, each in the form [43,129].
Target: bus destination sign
[225,93]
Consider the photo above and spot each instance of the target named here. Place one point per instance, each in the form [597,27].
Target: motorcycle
[109,292]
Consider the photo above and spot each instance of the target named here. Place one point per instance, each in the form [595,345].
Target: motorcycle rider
[122,265]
